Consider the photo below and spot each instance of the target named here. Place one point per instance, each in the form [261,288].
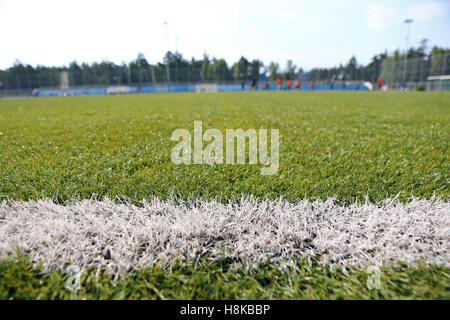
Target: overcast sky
[311,33]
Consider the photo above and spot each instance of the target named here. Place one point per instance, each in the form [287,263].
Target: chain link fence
[415,73]
[399,74]
[117,76]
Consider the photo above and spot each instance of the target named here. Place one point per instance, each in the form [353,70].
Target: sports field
[89,181]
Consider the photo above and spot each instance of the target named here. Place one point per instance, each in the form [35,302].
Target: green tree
[273,71]
[440,61]
[220,70]
[241,69]
[290,72]
[255,65]
[350,69]
[205,71]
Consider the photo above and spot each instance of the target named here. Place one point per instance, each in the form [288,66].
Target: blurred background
[99,47]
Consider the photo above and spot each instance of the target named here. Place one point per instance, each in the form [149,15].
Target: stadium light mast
[168,57]
[408,23]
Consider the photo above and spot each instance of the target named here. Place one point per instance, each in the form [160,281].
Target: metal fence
[115,76]
[398,73]
[414,71]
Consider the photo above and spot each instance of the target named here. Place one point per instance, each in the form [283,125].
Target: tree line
[177,69]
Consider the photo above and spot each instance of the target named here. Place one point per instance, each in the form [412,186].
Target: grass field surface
[357,147]
[349,145]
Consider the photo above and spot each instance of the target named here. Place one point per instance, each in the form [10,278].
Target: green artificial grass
[19,279]
[344,144]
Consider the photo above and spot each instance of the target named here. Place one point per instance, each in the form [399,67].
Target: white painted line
[120,236]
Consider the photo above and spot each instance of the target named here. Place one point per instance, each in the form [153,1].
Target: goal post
[206,87]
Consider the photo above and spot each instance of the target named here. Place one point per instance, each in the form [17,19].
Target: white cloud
[428,10]
[292,14]
[342,4]
[379,17]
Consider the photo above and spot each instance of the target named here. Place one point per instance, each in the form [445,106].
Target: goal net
[206,87]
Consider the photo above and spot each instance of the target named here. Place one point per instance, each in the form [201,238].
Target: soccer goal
[206,87]
[441,83]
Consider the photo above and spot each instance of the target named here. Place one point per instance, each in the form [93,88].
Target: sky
[311,33]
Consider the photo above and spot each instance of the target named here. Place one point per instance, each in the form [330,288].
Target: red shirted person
[313,84]
[380,83]
[289,84]
[297,84]
[279,83]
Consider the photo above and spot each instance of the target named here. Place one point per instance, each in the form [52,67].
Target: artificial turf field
[350,145]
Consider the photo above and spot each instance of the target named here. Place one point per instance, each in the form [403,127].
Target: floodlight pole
[408,23]
[168,58]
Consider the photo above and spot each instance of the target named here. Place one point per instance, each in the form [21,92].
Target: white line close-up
[118,236]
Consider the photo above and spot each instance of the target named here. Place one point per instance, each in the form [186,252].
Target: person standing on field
[279,83]
[380,83]
[289,84]
[297,84]
[254,84]
[333,79]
